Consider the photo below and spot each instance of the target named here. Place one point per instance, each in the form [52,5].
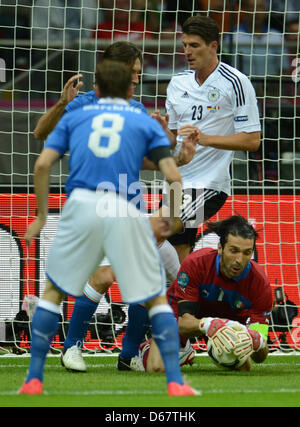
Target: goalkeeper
[223,284]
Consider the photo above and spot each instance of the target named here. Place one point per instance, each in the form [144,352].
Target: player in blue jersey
[103,277]
[106,140]
[121,51]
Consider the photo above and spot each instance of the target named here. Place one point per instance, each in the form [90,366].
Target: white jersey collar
[119,101]
[210,77]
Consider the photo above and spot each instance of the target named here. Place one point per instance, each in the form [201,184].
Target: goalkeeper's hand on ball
[223,337]
[229,336]
[250,341]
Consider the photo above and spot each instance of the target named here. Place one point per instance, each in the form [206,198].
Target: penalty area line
[91,393]
[148,392]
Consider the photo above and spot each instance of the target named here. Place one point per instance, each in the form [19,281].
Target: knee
[102,279]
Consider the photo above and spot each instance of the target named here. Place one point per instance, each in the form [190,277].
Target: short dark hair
[236,225]
[113,79]
[123,51]
[202,26]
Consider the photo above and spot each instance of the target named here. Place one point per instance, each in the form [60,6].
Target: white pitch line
[113,365]
[97,365]
[203,354]
[92,393]
[245,391]
[150,392]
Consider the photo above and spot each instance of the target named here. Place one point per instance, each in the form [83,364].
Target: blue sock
[165,332]
[138,323]
[44,327]
[83,311]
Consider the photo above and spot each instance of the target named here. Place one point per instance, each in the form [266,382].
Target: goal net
[44,42]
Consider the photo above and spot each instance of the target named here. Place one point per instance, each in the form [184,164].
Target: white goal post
[44,42]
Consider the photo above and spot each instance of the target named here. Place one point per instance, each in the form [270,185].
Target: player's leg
[84,309]
[199,205]
[213,202]
[137,326]
[166,335]
[44,327]
[79,231]
[86,306]
[138,320]
[146,282]
[152,358]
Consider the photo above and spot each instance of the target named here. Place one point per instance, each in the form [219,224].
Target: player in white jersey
[220,103]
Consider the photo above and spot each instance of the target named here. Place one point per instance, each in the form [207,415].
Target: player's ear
[97,91]
[214,45]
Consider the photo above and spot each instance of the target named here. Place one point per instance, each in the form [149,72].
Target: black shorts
[198,206]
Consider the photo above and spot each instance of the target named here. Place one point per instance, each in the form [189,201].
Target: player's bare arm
[186,154]
[149,165]
[188,325]
[48,121]
[42,171]
[170,171]
[188,149]
[240,141]
[164,121]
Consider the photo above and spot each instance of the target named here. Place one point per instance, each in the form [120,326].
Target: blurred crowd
[260,37]
[44,42]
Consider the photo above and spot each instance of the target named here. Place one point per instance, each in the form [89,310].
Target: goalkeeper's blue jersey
[107,142]
[91,98]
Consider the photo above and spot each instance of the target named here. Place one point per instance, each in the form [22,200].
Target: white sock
[50,306]
[159,308]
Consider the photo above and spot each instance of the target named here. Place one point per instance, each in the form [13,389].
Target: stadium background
[44,42]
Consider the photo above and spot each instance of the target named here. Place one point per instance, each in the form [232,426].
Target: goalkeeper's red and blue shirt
[246,298]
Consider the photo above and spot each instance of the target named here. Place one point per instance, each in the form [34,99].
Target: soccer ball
[225,360]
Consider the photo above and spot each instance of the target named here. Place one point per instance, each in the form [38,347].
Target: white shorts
[95,224]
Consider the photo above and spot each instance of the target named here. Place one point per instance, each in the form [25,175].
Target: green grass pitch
[275,383]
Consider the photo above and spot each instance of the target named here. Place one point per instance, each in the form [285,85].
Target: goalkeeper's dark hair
[123,51]
[202,26]
[235,225]
[113,79]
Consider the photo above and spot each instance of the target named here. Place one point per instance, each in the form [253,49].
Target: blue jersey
[107,142]
[91,98]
